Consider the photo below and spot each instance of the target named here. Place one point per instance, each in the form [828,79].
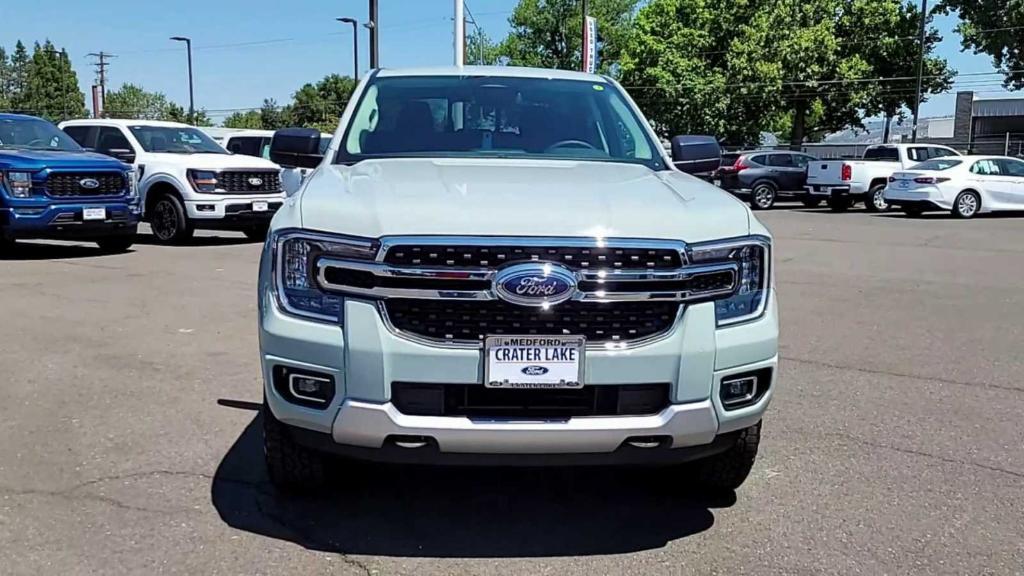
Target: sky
[248,50]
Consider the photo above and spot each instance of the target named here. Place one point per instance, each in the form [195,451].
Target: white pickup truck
[502,265]
[844,182]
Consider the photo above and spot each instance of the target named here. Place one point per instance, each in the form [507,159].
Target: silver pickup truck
[845,182]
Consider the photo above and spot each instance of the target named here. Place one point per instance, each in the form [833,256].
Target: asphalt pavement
[895,444]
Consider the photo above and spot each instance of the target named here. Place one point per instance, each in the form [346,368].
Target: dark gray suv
[765,175]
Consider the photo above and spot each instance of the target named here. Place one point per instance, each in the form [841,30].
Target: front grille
[69,184]
[478,401]
[241,181]
[471,321]
[578,258]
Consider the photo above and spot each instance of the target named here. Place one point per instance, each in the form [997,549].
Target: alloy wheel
[165,220]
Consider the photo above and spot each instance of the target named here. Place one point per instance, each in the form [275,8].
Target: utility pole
[583,37]
[373,25]
[460,34]
[920,67]
[98,98]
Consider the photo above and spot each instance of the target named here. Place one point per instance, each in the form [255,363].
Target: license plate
[534,361]
[94,214]
[717,182]
[259,207]
[904,184]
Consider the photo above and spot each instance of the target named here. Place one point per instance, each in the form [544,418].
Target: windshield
[937,164]
[34,134]
[175,140]
[488,117]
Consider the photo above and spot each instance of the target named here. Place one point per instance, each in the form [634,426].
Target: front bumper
[33,219]
[364,356]
[232,207]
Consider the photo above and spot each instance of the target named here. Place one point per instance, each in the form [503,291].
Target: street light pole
[355,45]
[373,25]
[191,93]
[583,37]
[920,67]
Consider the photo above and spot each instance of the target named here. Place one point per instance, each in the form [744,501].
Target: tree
[481,50]
[320,105]
[896,56]
[174,112]
[132,101]
[549,33]
[5,80]
[273,117]
[18,80]
[250,119]
[51,85]
[996,28]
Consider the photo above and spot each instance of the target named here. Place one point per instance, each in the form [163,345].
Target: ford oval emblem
[534,370]
[535,284]
[255,181]
[89,183]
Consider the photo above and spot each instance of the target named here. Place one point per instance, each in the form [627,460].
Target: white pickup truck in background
[845,182]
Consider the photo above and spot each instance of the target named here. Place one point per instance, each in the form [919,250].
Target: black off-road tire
[169,221]
[292,468]
[726,471]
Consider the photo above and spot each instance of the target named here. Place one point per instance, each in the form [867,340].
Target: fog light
[205,207]
[738,390]
[304,387]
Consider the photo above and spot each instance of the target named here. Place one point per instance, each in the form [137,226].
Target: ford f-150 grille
[586,258]
[245,182]
[471,321]
[74,184]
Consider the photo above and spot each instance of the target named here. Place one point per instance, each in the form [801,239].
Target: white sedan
[963,185]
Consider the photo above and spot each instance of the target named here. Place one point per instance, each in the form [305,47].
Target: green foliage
[132,101]
[5,79]
[549,33]
[481,50]
[736,68]
[50,85]
[250,119]
[320,105]
[996,28]
[274,117]
[18,79]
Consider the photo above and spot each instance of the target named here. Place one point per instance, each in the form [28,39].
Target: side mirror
[696,154]
[122,154]
[296,148]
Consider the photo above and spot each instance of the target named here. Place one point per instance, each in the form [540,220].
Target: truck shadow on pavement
[197,241]
[27,250]
[386,510]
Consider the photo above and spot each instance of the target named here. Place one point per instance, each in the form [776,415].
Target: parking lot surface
[895,443]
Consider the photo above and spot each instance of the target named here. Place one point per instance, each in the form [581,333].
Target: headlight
[19,184]
[295,254]
[203,180]
[133,183]
[753,256]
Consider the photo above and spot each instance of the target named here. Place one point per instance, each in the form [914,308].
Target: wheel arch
[157,189]
[878,182]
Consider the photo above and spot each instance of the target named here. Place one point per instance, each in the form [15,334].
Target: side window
[245,145]
[83,135]
[1013,168]
[801,161]
[986,168]
[781,160]
[111,139]
[761,159]
[939,153]
[917,154]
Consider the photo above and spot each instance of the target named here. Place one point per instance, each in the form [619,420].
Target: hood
[213,161]
[517,198]
[40,159]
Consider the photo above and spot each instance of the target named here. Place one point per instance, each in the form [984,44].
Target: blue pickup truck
[50,187]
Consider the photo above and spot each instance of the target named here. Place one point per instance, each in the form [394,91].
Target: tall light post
[355,45]
[373,25]
[920,67]
[191,93]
